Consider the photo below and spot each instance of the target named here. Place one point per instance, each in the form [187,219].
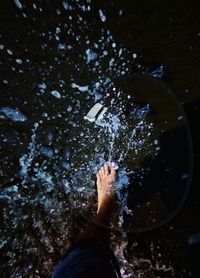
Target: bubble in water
[56,94]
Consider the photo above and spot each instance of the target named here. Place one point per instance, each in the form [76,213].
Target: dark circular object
[159,195]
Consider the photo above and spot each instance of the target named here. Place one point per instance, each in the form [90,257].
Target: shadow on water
[156,198]
[160,175]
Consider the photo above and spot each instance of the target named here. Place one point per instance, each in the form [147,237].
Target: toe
[113,169]
[106,169]
[98,176]
[103,171]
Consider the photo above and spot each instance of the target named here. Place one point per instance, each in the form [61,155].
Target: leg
[106,178]
[88,257]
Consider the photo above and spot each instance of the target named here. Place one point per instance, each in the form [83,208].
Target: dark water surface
[56,60]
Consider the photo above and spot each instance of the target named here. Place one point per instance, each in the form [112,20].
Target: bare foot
[106,178]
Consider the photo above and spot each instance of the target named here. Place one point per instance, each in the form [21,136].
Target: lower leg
[106,178]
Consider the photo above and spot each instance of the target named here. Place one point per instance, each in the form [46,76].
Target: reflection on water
[56,60]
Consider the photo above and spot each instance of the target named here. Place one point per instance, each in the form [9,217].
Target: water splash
[26,160]
[115,137]
[57,170]
[102,16]
[13,114]
[18,4]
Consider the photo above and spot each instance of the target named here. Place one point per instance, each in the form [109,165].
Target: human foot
[106,178]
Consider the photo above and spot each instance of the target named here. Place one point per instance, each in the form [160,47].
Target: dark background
[163,33]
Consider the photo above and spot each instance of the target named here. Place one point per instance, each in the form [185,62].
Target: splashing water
[113,138]
[26,160]
[55,171]
[13,114]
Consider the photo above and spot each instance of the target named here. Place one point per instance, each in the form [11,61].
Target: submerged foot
[106,178]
